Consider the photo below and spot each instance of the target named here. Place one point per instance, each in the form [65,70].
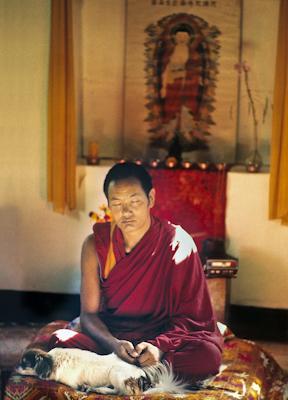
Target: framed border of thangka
[181,89]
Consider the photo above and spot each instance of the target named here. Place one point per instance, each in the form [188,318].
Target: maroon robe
[158,293]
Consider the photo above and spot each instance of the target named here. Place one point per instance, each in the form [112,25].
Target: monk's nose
[126,209]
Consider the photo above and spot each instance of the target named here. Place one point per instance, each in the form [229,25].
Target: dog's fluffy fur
[108,374]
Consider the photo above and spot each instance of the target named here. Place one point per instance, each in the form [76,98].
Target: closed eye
[115,204]
[24,361]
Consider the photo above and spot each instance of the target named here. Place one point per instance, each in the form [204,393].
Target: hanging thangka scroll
[180,82]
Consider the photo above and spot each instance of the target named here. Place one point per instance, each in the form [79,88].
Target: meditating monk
[143,290]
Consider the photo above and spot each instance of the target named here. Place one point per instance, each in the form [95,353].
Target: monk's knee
[197,361]
[210,358]
[61,338]
[71,339]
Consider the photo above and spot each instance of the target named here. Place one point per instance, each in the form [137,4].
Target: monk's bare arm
[91,324]
[90,297]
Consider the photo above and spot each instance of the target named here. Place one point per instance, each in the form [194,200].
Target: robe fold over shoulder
[157,292]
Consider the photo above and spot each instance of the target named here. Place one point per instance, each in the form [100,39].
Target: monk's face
[130,206]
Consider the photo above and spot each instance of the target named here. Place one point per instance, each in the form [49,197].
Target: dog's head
[36,362]
[145,383]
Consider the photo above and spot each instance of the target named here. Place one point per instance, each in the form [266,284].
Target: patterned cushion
[247,372]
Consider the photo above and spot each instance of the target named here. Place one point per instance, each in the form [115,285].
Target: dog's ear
[28,359]
[44,366]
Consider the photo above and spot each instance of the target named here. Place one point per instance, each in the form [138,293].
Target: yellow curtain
[278,199]
[61,110]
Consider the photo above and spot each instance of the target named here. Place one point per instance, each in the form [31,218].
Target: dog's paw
[105,390]
[100,390]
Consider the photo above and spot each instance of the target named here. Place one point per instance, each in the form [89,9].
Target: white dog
[108,374]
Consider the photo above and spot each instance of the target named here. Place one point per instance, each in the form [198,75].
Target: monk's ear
[151,197]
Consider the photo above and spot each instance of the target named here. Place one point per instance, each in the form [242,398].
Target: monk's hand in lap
[126,351]
[148,354]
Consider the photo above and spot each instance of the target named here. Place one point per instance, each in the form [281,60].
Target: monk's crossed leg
[196,360]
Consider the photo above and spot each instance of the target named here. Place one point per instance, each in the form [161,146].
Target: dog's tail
[160,378]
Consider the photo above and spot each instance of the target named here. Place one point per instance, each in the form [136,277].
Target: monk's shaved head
[126,171]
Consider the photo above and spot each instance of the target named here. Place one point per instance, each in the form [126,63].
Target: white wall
[39,249]
[260,244]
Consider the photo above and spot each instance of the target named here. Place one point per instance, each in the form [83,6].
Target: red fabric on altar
[194,199]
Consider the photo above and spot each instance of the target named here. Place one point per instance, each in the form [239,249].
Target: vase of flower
[254,160]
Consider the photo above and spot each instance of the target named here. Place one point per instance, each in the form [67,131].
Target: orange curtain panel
[278,201]
[61,110]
